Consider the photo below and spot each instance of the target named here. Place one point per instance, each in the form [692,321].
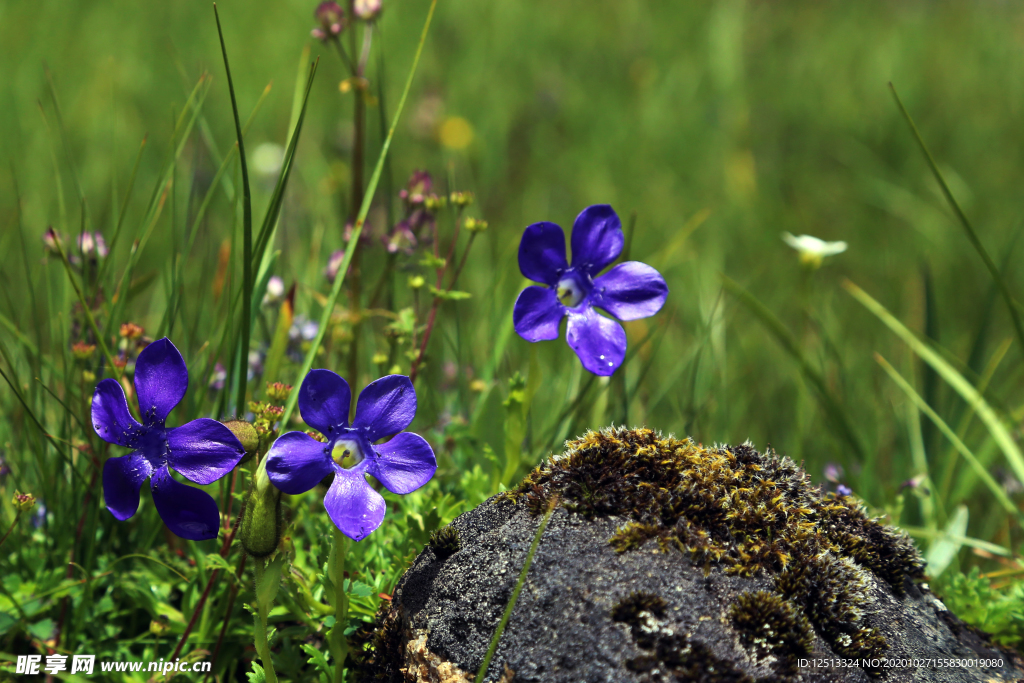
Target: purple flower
[844,490]
[202,450]
[334,265]
[629,291]
[297,462]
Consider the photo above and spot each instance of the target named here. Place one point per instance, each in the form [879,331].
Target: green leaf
[43,630]
[944,548]
[257,675]
[317,658]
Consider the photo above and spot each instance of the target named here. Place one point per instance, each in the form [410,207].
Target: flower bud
[367,10]
[245,433]
[261,529]
[92,245]
[416,281]
[131,331]
[83,351]
[475,225]
[275,291]
[461,199]
[23,502]
[331,18]
[334,265]
[51,240]
[159,627]
[278,392]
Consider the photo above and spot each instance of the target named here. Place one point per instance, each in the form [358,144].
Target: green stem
[338,643]
[262,646]
[17,516]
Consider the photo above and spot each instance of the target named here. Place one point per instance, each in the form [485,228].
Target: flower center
[569,292]
[347,453]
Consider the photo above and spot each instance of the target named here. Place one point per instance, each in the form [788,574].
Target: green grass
[721,125]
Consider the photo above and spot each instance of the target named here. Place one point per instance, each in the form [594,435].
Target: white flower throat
[347,453]
[569,292]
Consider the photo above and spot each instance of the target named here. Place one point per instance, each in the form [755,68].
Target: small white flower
[275,291]
[813,250]
[267,159]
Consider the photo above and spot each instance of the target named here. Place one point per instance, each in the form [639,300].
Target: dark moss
[748,513]
[445,542]
[769,624]
[376,650]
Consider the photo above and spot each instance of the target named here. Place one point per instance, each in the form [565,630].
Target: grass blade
[790,345]
[972,236]
[1010,449]
[246,230]
[958,444]
[357,230]
[515,593]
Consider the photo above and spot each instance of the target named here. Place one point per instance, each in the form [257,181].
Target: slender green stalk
[972,236]
[337,641]
[357,229]
[482,673]
[17,516]
[260,624]
[246,231]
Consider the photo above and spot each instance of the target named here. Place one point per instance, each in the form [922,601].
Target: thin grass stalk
[496,638]
[246,229]
[972,236]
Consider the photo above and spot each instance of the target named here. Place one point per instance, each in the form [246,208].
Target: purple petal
[542,253]
[537,314]
[110,417]
[297,462]
[596,239]
[630,290]
[385,407]
[600,342]
[122,479]
[354,507]
[203,450]
[188,512]
[161,380]
[324,398]
[403,464]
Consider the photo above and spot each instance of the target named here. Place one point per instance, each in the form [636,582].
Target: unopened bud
[475,225]
[331,18]
[131,331]
[416,281]
[461,199]
[51,240]
[367,9]
[23,502]
[245,433]
[278,392]
[434,203]
[261,521]
[83,351]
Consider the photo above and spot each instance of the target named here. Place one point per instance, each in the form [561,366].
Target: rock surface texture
[667,561]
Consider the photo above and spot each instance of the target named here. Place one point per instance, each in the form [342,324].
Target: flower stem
[337,642]
[260,622]
[17,516]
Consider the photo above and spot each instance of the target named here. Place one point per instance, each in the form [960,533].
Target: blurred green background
[720,124]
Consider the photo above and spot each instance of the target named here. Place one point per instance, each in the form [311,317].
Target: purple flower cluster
[629,291]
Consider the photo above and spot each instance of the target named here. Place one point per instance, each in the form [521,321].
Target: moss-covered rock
[669,561]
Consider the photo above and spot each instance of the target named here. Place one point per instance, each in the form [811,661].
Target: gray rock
[673,601]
